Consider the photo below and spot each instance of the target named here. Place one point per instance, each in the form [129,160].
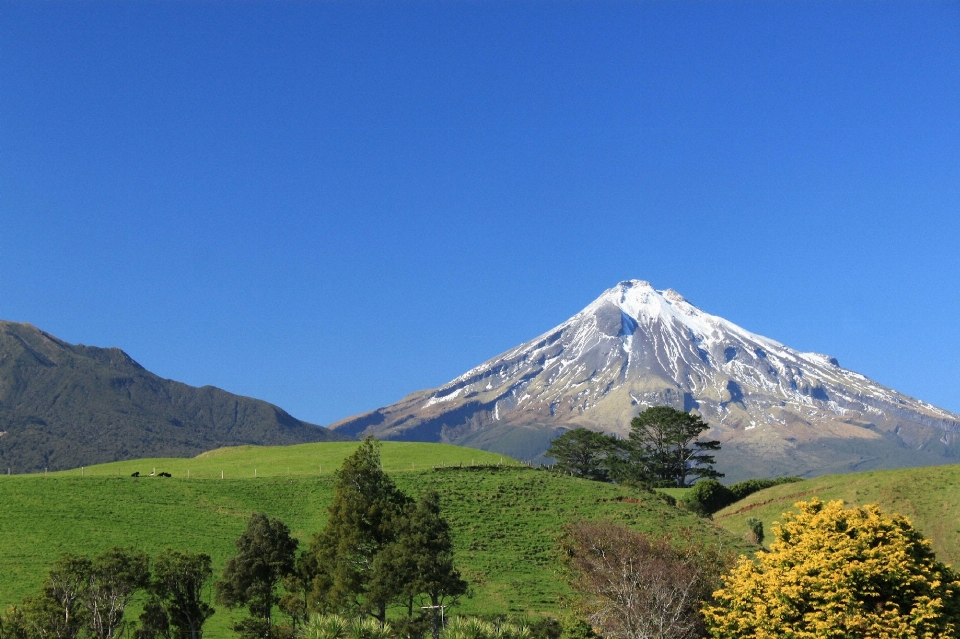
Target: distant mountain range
[64,405]
[776,411]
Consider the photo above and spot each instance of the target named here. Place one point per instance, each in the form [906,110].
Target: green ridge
[929,496]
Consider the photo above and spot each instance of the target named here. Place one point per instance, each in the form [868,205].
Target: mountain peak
[777,410]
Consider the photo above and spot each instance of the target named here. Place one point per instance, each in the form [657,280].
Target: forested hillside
[64,406]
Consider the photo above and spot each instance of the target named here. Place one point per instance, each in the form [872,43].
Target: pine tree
[583,453]
[363,521]
[665,441]
[418,567]
[266,554]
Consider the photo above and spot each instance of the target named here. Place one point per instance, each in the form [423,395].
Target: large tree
[583,453]
[266,554]
[57,612]
[666,441]
[835,572]
[176,609]
[418,567]
[115,577]
[363,520]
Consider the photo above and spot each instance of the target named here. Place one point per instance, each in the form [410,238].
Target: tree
[14,625]
[665,441]
[419,564]
[58,612]
[176,609]
[635,586]
[114,578]
[583,453]
[834,572]
[266,554]
[363,521]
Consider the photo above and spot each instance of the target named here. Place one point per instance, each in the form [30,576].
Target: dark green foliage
[64,406]
[13,624]
[583,453]
[176,609]
[341,560]
[417,569]
[266,554]
[755,527]
[745,488]
[707,497]
[666,441]
[380,548]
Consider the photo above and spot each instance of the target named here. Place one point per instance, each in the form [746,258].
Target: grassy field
[505,520]
[315,460]
[929,496]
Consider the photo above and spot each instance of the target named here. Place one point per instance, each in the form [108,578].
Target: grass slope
[929,496]
[315,460]
[505,521]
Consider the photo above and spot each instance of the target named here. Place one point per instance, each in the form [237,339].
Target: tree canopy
[266,553]
[583,453]
[664,448]
[666,441]
[834,572]
[379,547]
[366,505]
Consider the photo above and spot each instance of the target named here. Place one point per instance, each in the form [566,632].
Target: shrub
[707,497]
[755,530]
[635,586]
[743,489]
[836,573]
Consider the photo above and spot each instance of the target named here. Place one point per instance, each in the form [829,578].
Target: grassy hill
[929,496]
[67,405]
[505,520]
[312,460]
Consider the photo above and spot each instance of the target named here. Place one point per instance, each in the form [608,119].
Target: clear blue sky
[330,205]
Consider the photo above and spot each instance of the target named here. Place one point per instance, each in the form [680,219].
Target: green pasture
[505,520]
[317,460]
[928,496]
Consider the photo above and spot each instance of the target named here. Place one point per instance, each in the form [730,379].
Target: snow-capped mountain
[776,410]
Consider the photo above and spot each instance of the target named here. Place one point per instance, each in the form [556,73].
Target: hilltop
[776,410]
[69,405]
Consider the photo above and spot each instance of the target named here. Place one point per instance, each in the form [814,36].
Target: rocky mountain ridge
[776,410]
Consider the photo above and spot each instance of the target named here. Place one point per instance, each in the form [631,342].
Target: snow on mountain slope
[776,409]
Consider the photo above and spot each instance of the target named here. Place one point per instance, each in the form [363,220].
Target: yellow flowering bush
[835,572]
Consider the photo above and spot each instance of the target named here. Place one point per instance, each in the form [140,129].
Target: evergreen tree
[665,441]
[418,567]
[583,453]
[266,554]
[363,521]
